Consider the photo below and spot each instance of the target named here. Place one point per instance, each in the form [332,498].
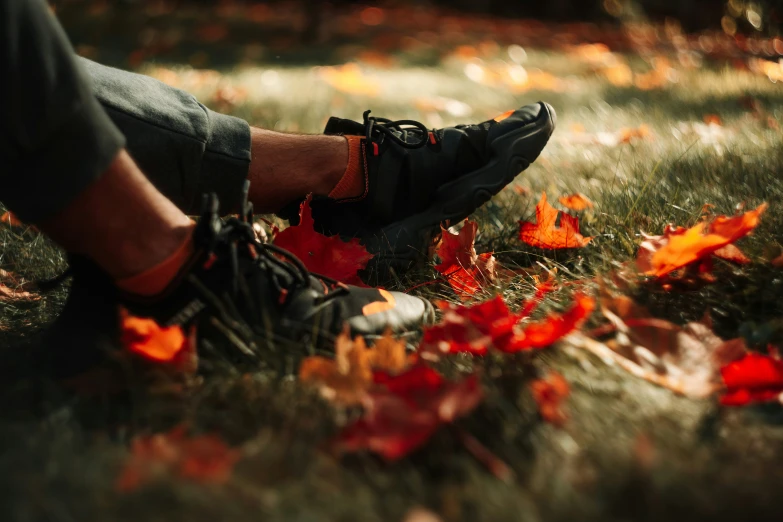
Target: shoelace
[238,232]
[387,127]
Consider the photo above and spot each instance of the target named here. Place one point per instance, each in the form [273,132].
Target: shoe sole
[398,245]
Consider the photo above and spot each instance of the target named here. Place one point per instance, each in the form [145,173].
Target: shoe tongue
[337,125]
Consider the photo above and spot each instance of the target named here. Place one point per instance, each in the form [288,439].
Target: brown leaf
[686,359]
[347,378]
[465,271]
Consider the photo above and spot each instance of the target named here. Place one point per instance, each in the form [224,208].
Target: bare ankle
[286,167]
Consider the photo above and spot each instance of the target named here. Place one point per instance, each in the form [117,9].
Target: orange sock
[353,184]
[155,279]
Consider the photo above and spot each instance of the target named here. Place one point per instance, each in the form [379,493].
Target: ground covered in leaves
[655,127]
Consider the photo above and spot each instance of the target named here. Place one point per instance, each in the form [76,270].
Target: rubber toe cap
[408,315]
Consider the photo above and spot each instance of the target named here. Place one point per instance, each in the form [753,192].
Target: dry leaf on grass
[10,219]
[347,378]
[545,234]
[686,359]
[691,248]
[465,271]
[203,459]
[404,411]
[491,325]
[330,256]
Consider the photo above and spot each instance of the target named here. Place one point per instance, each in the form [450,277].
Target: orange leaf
[576,202]
[686,246]
[10,219]
[150,340]
[549,394]
[330,256]
[204,459]
[733,254]
[544,233]
[347,378]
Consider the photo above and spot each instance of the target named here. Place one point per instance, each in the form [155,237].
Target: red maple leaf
[555,326]
[476,329]
[465,271]
[203,458]
[471,329]
[754,378]
[329,256]
[406,410]
[545,234]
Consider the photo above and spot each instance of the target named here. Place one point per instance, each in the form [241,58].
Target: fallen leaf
[146,338]
[678,247]
[576,202]
[778,261]
[476,329]
[457,249]
[347,377]
[406,410]
[465,271]
[555,326]
[17,293]
[471,329]
[544,233]
[10,219]
[549,394]
[329,256]
[754,378]
[685,359]
[733,254]
[203,459]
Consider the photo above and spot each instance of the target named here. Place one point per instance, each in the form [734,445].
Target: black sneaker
[249,292]
[418,179]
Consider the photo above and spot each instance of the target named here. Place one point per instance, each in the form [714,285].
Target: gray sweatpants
[64,119]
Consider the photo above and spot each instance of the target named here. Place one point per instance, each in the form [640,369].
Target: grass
[630,451]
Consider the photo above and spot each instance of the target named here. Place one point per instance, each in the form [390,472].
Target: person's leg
[64,168]
[187,150]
